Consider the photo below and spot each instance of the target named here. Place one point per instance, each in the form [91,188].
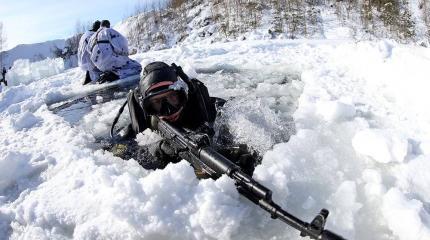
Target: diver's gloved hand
[166,148]
[162,149]
[164,153]
[206,129]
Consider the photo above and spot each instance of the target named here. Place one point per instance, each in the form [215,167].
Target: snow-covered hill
[355,114]
[33,52]
[208,21]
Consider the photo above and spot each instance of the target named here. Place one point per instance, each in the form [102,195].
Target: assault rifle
[196,149]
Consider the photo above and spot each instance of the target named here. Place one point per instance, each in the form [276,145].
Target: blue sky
[31,21]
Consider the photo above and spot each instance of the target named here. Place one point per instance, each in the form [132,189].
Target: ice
[338,126]
[345,199]
[374,187]
[100,118]
[407,218]
[335,110]
[425,147]
[246,116]
[147,137]
[382,146]
[23,71]
[413,176]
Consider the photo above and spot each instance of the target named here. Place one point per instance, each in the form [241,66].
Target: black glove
[166,148]
[107,77]
[163,151]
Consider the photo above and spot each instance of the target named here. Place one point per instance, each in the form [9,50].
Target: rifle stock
[196,149]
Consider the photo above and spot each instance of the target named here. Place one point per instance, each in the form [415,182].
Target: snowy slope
[187,22]
[33,52]
[359,145]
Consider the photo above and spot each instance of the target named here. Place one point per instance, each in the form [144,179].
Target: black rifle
[196,149]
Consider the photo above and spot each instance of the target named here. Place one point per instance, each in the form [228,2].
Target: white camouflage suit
[108,51]
[84,60]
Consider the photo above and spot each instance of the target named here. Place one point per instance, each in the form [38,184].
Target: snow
[335,110]
[23,71]
[33,52]
[400,210]
[381,146]
[23,121]
[342,125]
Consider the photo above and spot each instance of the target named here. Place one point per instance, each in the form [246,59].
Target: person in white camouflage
[84,61]
[108,51]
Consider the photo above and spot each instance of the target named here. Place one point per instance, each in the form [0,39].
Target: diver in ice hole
[165,91]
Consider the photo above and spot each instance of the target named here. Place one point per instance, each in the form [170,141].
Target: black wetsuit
[198,115]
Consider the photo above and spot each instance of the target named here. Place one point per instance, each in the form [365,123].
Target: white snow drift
[23,71]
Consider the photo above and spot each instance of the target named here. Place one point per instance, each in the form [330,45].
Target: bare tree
[425,11]
[175,4]
[57,52]
[139,7]
[367,17]
[72,44]
[278,20]
[81,27]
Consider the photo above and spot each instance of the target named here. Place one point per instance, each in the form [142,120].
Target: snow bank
[23,71]
[334,121]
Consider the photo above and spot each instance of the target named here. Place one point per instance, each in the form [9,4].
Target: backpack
[107,49]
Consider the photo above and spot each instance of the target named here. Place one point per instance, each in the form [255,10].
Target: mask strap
[180,72]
